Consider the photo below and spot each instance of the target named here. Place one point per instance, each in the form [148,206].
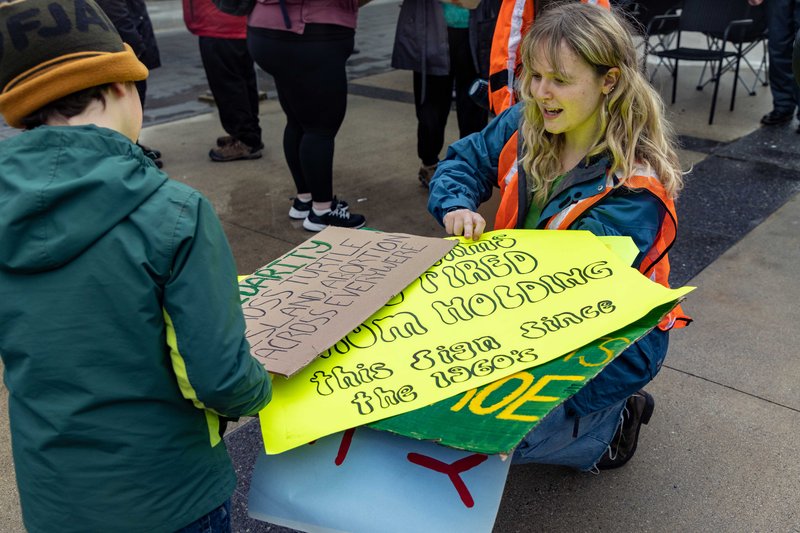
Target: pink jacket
[268,14]
[205,20]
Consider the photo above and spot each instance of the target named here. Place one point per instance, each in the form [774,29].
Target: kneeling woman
[586,148]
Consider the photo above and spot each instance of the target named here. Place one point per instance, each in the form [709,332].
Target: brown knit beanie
[52,48]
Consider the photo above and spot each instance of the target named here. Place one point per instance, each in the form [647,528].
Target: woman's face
[570,101]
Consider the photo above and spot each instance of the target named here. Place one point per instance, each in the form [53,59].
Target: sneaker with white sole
[299,209]
[339,216]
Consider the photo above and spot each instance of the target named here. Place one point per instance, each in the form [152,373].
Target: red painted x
[452,470]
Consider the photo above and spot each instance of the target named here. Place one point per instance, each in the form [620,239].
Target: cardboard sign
[488,309]
[299,305]
[366,481]
[479,420]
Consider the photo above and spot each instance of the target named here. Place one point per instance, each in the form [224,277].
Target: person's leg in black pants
[783,21]
[312,89]
[471,117]
[311,81]
[432,109]
[232,79]
[292,139]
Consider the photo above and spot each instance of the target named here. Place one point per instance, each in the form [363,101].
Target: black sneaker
[299,209]
[638,410]
[776,118]
[152,153]
[339,216]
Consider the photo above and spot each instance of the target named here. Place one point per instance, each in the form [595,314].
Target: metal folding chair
[730,25]
[657,33]
[756,34]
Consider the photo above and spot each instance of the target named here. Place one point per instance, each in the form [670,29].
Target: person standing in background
[783,22]
[304,45]
[231,77]
[132,22]
[447,46]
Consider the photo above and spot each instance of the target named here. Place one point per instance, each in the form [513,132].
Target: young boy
[114,416]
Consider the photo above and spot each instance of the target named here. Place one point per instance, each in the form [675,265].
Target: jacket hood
[64,187]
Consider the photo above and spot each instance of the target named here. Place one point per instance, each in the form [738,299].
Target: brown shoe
[233,152]
[425,174]
[225,140]
[638,410]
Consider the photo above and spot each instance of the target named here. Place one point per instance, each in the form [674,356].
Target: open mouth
[550,113]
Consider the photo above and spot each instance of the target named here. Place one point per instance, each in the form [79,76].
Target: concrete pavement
[722,452]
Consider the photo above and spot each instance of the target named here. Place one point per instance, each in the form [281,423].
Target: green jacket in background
[113,421]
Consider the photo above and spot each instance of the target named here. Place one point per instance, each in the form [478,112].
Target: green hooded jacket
[113,415]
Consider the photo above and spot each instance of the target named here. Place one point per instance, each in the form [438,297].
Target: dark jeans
[433,106]
[309,73]
[577,432]
[217,521]
[232,79]
[783,21]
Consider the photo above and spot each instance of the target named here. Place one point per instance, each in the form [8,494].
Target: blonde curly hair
[633,128]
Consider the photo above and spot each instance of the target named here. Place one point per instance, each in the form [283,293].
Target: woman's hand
[464,222]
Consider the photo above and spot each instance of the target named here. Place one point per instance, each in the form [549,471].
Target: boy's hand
[464,222]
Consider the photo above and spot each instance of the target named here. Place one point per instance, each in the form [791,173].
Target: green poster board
[494,418]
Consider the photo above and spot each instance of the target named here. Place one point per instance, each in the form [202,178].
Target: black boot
[638,410]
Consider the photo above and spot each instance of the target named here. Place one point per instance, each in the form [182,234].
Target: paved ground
[721,453]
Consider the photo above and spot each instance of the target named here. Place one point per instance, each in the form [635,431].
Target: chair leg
[716,91]
[736,79]
[674,80]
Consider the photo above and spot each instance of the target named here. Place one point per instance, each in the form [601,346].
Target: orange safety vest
[654,265]
[513,21]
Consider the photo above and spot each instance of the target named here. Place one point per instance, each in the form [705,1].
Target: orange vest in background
[513,21]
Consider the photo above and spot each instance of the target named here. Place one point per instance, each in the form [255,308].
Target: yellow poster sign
[510,301]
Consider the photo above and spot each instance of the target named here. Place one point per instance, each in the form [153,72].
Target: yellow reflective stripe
[188,392]
[212,420]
